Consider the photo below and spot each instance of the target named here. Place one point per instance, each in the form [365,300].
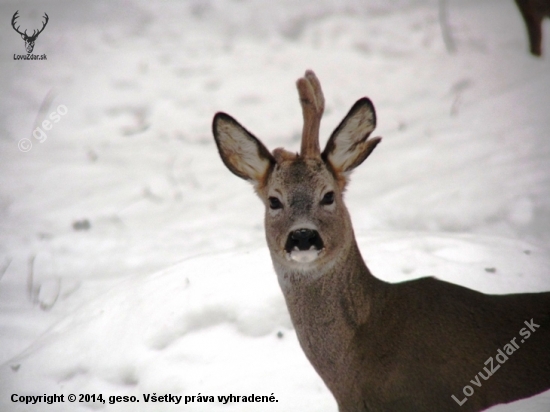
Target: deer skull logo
[29,40]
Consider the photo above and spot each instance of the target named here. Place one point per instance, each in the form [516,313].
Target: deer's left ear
[241,152]
[348,145]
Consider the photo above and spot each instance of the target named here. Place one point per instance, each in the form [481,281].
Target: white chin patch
[304,256]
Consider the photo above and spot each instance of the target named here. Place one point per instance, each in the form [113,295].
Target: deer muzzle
[303,245]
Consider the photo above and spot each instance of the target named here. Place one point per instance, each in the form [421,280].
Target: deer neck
[329,306]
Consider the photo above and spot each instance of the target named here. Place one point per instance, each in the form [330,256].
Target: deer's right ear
[241,152]
[349,145]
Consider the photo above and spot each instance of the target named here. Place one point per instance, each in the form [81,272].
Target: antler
[34,33]
[43,25]
[313,105]
[15,16]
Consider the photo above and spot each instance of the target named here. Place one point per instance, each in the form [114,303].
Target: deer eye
[275,203]
[328,198]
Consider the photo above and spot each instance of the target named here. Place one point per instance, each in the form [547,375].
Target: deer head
[307,224]
[29,40]
[369,340]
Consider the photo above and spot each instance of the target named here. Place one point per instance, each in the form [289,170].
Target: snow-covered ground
[132,262]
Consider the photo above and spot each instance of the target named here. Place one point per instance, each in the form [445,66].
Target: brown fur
[382,347]
[281,155]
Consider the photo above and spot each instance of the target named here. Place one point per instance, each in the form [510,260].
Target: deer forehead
[300,176]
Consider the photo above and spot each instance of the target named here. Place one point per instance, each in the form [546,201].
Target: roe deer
[533,11]
[379,347]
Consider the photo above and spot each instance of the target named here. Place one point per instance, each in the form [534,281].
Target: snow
[132,262]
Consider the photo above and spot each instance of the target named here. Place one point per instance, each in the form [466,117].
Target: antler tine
[46,20]
[45,16]
[313,105]
[13,19]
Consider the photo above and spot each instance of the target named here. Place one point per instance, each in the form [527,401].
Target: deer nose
[304,239]
[302,234]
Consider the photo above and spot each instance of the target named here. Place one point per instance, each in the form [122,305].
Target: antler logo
[29,40]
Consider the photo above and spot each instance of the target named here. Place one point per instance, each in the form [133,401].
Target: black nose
[303,234]
[303,239]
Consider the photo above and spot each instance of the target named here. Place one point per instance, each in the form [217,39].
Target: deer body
[410,346]
[378,346]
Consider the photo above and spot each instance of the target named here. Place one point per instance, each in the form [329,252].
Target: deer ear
[242,153]
[348,145]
